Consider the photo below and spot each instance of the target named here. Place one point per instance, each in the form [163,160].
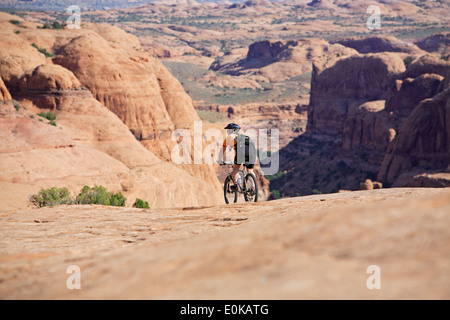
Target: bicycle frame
[243,173]
[250,194]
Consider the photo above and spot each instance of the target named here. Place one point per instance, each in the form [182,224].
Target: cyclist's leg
[236,173]
[250,160]
[250,168]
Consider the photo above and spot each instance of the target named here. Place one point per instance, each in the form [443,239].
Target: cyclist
[250,156]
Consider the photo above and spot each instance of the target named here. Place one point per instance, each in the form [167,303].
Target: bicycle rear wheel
[229,195]
[250,188]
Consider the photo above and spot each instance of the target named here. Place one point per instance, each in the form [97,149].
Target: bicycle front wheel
[230,196]
[250,188]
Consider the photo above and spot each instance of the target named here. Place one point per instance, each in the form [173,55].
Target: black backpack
[244,141]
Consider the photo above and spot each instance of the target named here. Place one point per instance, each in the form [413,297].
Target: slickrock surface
[309,247]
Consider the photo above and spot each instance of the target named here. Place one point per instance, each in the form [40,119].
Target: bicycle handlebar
[225,163]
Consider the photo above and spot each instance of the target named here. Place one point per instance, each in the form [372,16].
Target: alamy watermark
[189,149]
[74,21]
[374,21]
[74,280]
[374,280]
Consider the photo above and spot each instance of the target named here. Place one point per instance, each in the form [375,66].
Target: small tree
[99,195]
[52,197]
[141,204]
[117,200]
[56,25]
[95,195]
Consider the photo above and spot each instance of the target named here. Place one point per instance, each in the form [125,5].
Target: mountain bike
[247,185]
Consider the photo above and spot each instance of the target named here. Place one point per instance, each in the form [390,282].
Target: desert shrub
[56,25]
[95,195]
[43,51]
[278,175]
[99,195]
[49,116]
[316,191]
[52,197]
[16,105]
[139,203]
[276,194]
[117,200]
[407,61]
[15,22]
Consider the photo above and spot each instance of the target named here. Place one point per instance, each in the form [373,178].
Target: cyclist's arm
[227,143]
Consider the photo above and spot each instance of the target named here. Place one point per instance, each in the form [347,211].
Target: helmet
[233,126]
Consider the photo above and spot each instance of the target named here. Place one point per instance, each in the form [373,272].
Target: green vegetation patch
[95,195]
[139,203]
[43,51]
[51,197]
[99,195]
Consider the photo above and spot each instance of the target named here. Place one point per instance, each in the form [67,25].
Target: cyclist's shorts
[249,163]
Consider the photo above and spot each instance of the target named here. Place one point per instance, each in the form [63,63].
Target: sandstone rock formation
[367,185]
[370,117]
[4,93]
[380,43]
[48,77]
[423,142]
[338,87]
[279,60]
[426,64]
[407,93]
[439,43]
[322,4]
[17,55]
[370,127]
[96,67]
[37,155]
[251,3]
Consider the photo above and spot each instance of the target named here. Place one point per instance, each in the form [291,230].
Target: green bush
[276,194]
[49,116]
[141,204]
[56,25]
[117,200]
[43,51]
[407,61]
[16,104]
[99,195]
[15,22]
[52,197]
[95,195]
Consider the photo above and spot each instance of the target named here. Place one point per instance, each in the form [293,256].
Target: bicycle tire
[226,186]
[250,192]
